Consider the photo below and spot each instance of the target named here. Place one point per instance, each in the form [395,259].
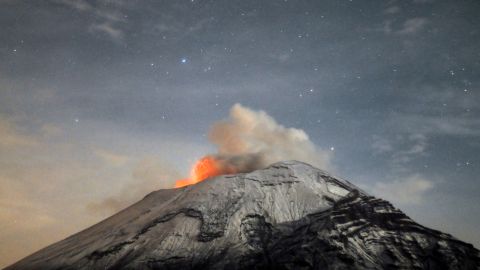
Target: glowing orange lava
[204,168]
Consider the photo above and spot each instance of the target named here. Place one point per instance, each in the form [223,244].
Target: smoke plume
[247,140]
[250,140]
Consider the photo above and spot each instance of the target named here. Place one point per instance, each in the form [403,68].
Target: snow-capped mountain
[289,215]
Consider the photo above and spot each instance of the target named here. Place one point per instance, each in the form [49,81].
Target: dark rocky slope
[287,216]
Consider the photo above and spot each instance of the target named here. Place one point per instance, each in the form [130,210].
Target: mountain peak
[288,215]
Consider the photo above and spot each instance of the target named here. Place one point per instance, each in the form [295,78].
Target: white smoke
[250,140]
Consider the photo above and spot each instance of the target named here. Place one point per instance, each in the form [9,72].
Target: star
[183,60]
[76,120]
[332,148]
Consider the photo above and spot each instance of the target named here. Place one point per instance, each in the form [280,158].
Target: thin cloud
[50,130]
[412,26]
[112,159]
[381,145]
[149,174]
[171,25]
[401,149]
[392,10]
[415,145]
[12,137]
[408,27]
[440,125]
[23,222]
[80,5]
[108,29]
[423,1]
[409,190]
[108,18]
[443,111]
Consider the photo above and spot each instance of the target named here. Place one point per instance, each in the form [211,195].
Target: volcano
[289,215]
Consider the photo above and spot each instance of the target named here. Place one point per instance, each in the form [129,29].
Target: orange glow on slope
[204,168]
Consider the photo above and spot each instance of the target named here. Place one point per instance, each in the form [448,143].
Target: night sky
[103,101]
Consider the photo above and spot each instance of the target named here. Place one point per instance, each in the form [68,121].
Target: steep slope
[287,216]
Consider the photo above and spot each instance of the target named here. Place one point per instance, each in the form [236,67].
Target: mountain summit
[289,215]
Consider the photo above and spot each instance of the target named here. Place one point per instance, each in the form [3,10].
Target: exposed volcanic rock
[287,216]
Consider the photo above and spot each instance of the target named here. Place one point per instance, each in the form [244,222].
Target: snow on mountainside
[287,216]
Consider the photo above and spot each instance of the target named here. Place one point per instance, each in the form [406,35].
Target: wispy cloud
[171,25]
[408,27]
[392,10]
[108,18]
[381,145]
[149,174]
[110,158]
[49,130]
[440,125]
[423,1]
[12,137]
[438,110]
[108,28]
[81,5]
[24,222]
[415,146]
[409,190]
[401,149]
[412,26]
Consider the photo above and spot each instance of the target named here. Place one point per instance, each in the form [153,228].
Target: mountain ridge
[289,215]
